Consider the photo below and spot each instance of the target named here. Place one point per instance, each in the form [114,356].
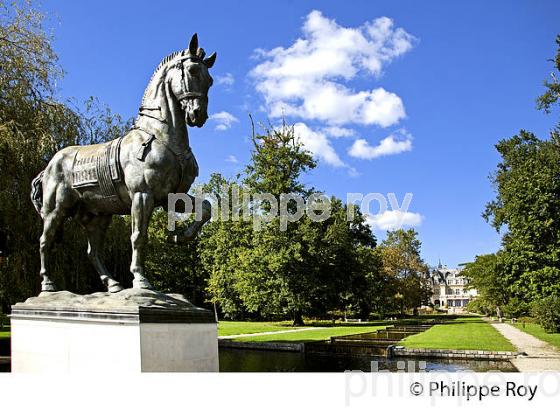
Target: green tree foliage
[171,268]
[488,277]
[547,312]
[310,267]
[527,206]
[527,269]
[403,265]
[221,242]
[552,94]
[33,126]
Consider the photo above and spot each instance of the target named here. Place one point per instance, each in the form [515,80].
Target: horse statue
[134,173]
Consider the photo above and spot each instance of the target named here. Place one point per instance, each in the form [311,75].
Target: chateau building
[450,289]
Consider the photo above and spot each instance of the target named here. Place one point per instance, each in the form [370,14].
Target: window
[457,291]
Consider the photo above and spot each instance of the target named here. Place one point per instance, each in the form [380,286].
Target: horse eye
[193,70]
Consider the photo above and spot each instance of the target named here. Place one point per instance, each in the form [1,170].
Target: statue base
[135,330]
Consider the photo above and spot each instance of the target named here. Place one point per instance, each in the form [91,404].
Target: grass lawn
[317,333]
[468,333]
[239,328]
[5,332]
[539,333]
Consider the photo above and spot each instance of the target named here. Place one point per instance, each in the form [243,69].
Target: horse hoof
[141,284]
[48,287]
[115,288]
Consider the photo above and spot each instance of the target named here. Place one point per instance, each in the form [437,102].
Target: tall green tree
[222,243]
[307,267]
[276,259]
[33,126]
[526,209]
[487,275]
[403,264]
[551,96]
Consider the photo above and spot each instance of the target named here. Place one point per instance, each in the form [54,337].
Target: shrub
[516,308]
[547,313]
[479,305]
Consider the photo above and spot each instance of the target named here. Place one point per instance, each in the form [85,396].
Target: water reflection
[247,360]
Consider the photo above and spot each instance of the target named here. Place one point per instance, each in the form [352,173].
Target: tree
[527,206]
[402,263]
[275,276]
[527,268]
[309,268]
[174,269]
[486,275]
[552,94]
[222,242]
[33,126]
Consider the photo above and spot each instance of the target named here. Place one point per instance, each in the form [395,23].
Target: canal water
[248,360]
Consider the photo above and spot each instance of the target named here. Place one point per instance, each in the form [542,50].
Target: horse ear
[193,45]
[210,60]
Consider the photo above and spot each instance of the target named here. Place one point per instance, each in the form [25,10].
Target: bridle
[185,94]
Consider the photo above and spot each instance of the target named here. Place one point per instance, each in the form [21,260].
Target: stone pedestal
[130,331]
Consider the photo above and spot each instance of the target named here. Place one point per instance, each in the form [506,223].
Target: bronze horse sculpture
[134,173]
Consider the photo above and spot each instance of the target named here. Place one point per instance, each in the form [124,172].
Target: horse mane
[159,68]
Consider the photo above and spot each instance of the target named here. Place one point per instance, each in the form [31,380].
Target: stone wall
[292,347]
[399,351]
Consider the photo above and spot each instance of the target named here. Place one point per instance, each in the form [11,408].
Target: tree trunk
[499,312]
[215,312]
[298,319]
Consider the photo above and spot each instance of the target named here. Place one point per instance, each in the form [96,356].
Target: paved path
[541,356]
[269,333]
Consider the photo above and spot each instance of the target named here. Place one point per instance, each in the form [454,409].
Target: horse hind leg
[55,200]
[96,227]
[52,224]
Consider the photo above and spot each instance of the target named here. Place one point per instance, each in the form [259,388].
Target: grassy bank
[5,332]
[468,333]
[537,331]
[227,328]
[316,333]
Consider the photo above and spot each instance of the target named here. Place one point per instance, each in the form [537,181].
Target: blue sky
[392,96]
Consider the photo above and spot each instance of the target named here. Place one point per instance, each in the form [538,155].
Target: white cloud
[318,144]
[305,80]
[224,120]
[339,132]
[394,219]
[387,146]
[233,159]
[227,79]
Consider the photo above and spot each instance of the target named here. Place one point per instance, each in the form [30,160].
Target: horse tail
[37,192]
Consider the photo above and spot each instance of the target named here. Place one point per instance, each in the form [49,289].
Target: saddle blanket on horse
[98,165]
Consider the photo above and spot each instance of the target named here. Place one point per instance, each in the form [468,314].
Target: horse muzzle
[195,114]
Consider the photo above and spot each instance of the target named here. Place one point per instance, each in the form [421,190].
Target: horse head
[189,81]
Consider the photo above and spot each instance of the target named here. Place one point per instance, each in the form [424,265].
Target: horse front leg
[202,212]
[141,212]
